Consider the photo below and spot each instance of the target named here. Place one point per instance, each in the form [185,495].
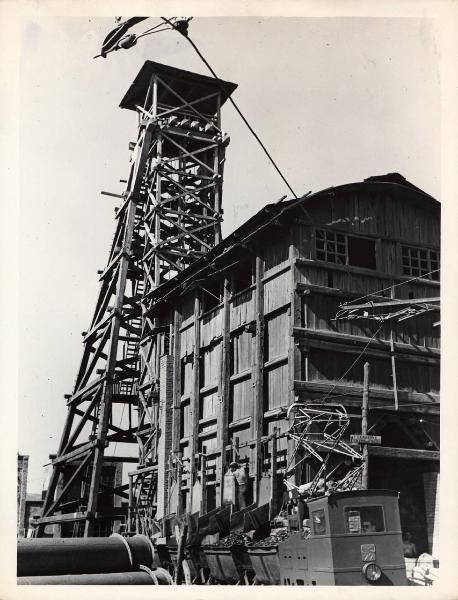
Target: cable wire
[235,106]
[390,287]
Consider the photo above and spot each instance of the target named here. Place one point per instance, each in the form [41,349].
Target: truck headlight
[372,572]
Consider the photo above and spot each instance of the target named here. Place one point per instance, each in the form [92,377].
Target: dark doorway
[406,477]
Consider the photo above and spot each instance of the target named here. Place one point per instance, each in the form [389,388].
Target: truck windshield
[364,519]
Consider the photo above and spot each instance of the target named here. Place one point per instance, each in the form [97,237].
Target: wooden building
[250,328]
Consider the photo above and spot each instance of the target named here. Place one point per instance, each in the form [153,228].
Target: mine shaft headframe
[180,123]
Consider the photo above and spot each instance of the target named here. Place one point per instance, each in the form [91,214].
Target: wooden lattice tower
[170,216]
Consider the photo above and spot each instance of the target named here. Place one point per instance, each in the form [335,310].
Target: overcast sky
[334,100]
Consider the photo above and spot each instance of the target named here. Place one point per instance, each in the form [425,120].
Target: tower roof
[190,86]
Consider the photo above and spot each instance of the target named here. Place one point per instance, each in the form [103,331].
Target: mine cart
[229,565]
[354,539]
[266,565]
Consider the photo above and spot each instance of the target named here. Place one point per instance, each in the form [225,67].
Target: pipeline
[142,577]
[78,556]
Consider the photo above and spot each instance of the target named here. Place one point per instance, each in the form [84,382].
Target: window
[361,252]
[330,246]
[242,276]
[211,295]
[420,262]
[319,522]
[364,519]
[343,249]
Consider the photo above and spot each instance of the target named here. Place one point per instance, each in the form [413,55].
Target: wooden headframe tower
[170,216]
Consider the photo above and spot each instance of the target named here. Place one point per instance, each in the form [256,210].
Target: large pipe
[143,577]
[65,556]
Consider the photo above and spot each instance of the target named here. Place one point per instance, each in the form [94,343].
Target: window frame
[360,508]
[335,234]
[417,270]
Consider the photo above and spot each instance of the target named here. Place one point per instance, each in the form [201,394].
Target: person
[306,529]
[240,476]
[368,527]
[410,550]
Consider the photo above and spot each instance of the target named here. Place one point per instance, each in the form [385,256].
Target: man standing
[240,476]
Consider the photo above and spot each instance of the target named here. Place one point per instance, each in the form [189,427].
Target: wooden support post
[195,396]
[203,481]
[180,554]
[393,361]
[223,430]
[235,449]
[258,418]
[154,106]
[294,352]
[157,218]
[176,417]
[365,407]
[273,470]
[179,508]
[130,508]
[218,170]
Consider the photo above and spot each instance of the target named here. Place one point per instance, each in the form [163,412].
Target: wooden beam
[176,408]
[294,352]
[258,370]
[225,374]
[408,453]
[69,456]
[63,491]
[63,518]
[195,395]
[372,273]
[380,399]
[355,342]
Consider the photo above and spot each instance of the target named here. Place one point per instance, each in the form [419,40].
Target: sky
[334,100]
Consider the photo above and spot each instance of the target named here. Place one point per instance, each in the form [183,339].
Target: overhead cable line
[322,400]
[186,36]
[360,355]
[389,288]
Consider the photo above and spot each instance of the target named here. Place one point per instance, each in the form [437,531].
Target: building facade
[22,471]
[253,327]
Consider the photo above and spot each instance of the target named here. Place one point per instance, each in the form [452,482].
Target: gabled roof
[396,183]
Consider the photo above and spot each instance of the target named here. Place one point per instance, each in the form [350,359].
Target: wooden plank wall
[242,371]
[227,387]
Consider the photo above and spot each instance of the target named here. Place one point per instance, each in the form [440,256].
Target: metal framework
[169,217]
[317,429]
[398,310]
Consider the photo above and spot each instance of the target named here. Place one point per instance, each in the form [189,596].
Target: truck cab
[354,539]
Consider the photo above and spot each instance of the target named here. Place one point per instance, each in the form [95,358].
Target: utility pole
[365,473]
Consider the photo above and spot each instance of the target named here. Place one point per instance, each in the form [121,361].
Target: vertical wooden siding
[242,310]
[277,335]
[277,292]
[210,326]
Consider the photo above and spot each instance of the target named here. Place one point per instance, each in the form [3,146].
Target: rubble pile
[242,539]
[235,539]
[276,536]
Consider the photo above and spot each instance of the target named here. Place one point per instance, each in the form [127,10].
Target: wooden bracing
[107,377]
[181,222]
[170,216]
